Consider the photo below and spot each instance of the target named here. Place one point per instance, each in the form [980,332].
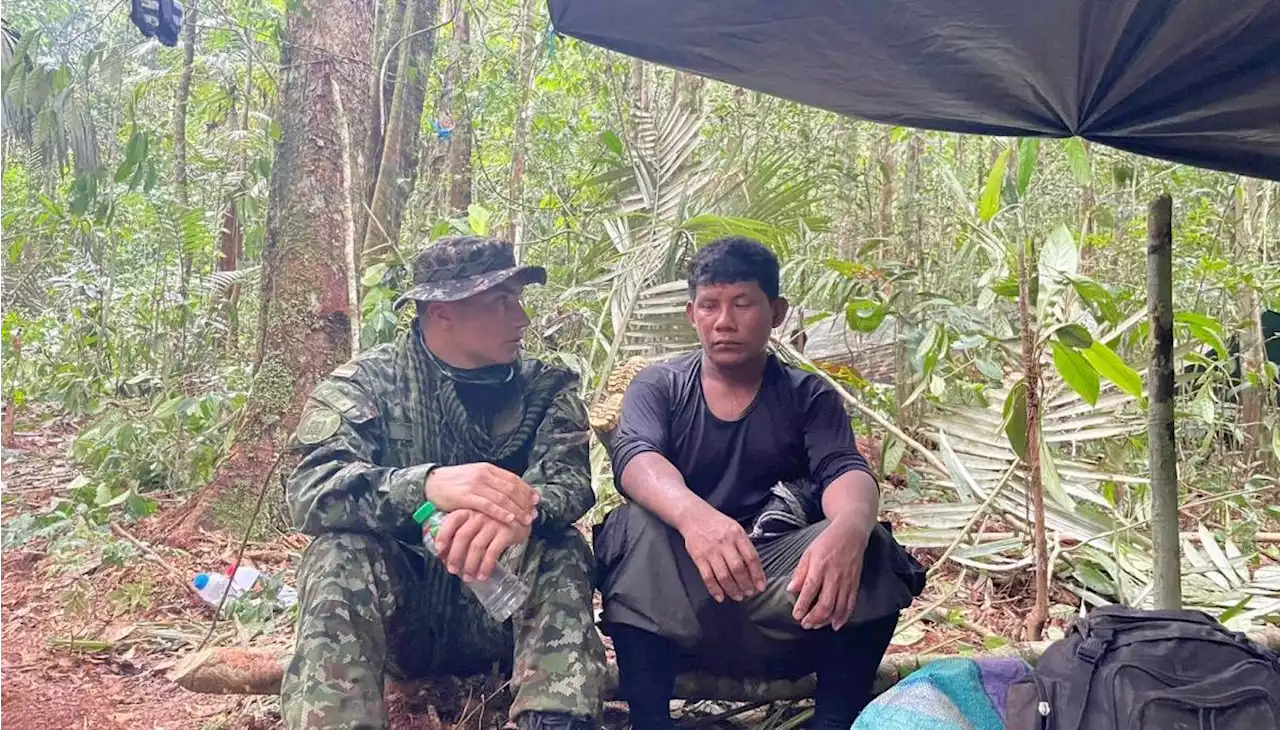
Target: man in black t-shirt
[749,544]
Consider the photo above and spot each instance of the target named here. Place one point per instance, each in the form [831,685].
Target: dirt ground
[76,653]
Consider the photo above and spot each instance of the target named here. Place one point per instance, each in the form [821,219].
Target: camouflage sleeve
[560,463]
[338,484]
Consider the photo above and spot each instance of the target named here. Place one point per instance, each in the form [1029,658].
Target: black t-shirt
[796,428]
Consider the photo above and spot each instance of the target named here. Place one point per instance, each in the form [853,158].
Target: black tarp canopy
[1191,81]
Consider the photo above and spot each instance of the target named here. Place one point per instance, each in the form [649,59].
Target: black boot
[536,720]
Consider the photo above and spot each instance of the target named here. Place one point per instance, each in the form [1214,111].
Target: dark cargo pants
[369,606]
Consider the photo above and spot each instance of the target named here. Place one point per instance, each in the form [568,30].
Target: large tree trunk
[306,318]
[397,165]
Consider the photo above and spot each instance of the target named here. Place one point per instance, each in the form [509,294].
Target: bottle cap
[200,581]
[422,513]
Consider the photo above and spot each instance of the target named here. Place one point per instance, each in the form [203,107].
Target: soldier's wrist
[426,477]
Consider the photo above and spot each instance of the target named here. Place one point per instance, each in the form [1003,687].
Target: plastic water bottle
[243,578]
[501,595]
[212,586]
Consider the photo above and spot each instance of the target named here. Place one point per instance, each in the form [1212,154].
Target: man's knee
[564,558]
[347,566]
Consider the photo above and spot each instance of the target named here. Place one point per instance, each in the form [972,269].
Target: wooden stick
[1162,453]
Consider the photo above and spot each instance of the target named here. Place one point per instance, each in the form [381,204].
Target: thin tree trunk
[1035,620]
[398,166]
[305,315]
[387,30]
[526,63]
[182,99]
[454,107]
[1161,445]
[1252,224]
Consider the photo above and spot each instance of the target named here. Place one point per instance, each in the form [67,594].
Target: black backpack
[1126,669]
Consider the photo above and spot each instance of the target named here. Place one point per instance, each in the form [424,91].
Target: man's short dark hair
[732,260]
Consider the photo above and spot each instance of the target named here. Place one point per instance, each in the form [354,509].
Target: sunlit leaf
[1078,158]
[478,218]
[989,202]
[1110,366]
[1028,149]
[1077,372]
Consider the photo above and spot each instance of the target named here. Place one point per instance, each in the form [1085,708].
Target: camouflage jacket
[371,430]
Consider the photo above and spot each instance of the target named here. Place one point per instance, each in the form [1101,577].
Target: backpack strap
[1095,644]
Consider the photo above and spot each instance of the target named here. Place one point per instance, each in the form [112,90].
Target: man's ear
[688,312]
[780,307]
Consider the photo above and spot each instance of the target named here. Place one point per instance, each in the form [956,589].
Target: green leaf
[373,275]
[932,347]
[989,202]
[1059,256]
[1204,328]
[612,142]
[1077,372]
[1096,296]
[1050,479]
[994,642]
[1078,158]
[1110,366]
[865,315]
[891,453]
[1015,418]
[1028,149]
[1074,335]
[478,218]
[1093,579]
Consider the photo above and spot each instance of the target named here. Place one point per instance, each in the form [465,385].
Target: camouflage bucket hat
[456,268]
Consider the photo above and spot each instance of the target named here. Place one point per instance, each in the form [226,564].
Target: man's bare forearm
[853,500]
[655,484]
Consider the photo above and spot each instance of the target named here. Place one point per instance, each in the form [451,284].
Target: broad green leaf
[1077,372]
[1093,579]
[1110,366]
[1028,149]
[478,218]
[1096,296]
[1074,335]
[865,315]
[1078,158]
[989,202]
[1015,418]
[1059,256]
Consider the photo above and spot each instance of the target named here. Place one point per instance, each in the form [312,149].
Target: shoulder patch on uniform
[333,395]
[317,425]
[346,369]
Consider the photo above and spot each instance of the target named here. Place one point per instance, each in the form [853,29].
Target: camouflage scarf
[444,432]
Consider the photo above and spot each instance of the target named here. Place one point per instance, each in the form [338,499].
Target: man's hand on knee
[828,576]
[724,555]
[470,543]
[483,488]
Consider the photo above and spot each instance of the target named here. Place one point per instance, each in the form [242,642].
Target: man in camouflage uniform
[452,415]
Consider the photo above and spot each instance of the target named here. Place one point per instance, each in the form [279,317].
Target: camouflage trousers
[369,606]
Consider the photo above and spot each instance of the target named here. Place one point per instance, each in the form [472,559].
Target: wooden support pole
[1161,449]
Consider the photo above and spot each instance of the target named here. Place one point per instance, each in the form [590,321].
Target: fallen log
[247,671]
